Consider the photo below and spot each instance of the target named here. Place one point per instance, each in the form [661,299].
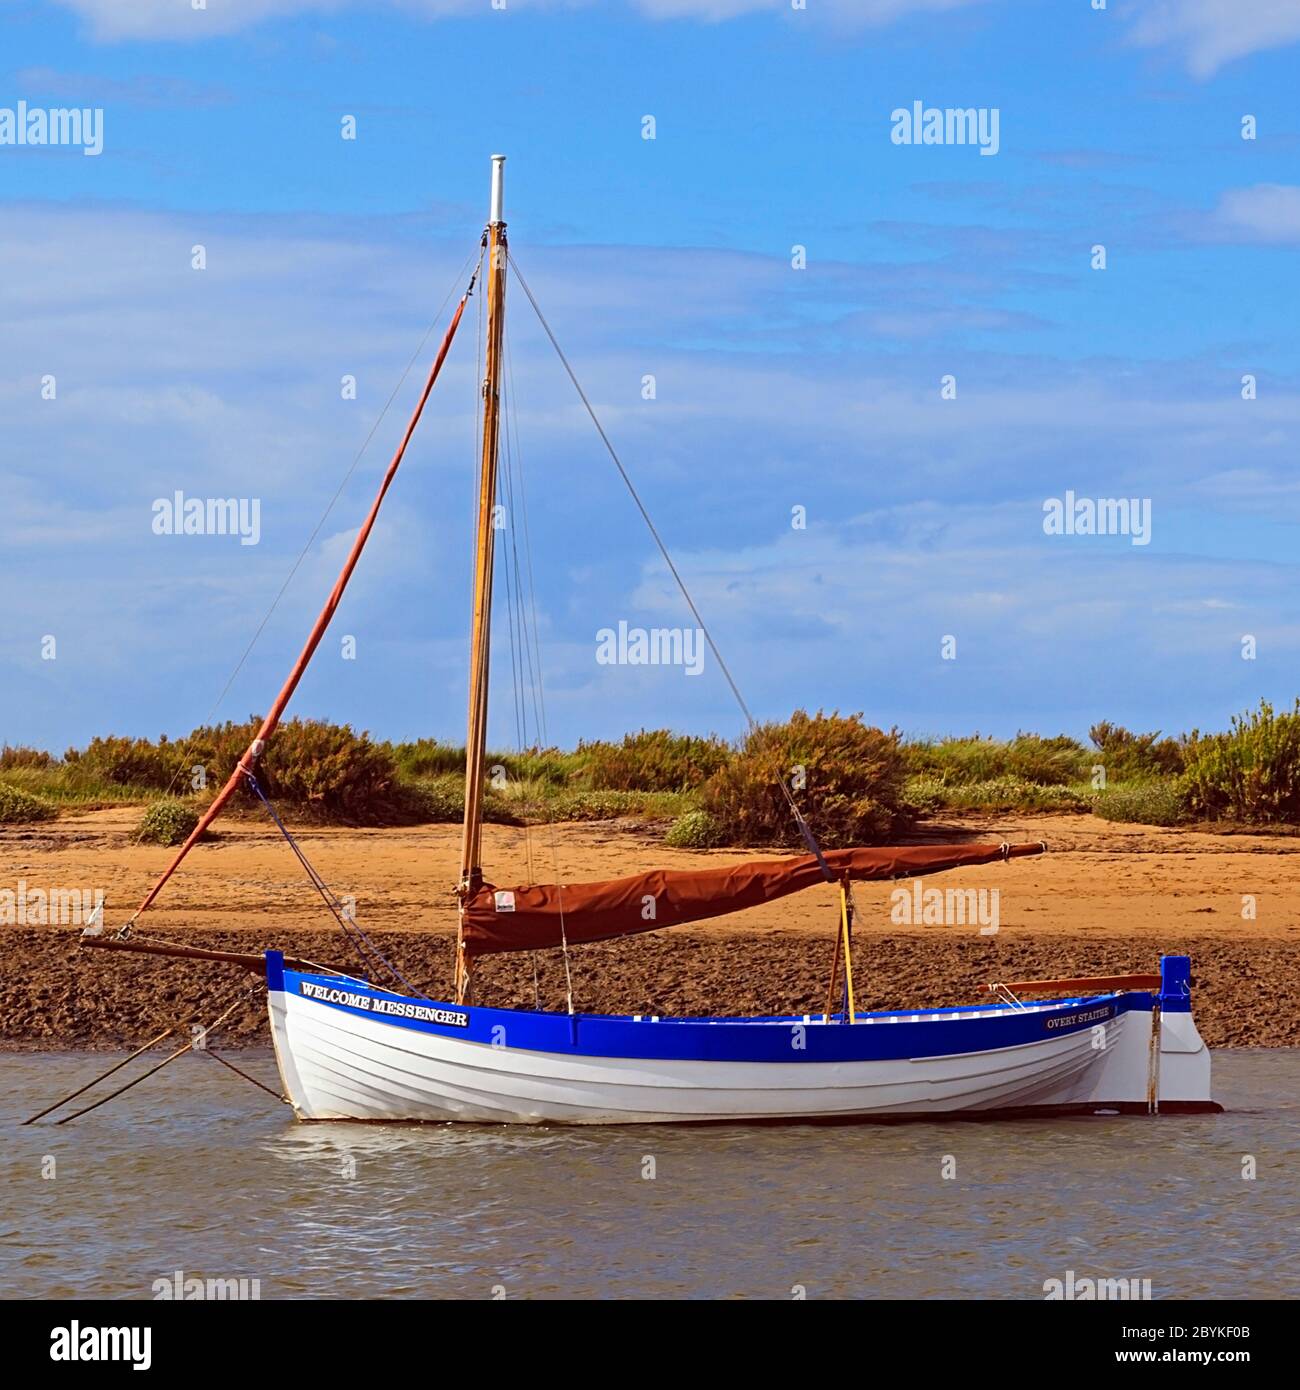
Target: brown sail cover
[529,919]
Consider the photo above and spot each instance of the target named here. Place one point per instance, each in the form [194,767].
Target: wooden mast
[471,871]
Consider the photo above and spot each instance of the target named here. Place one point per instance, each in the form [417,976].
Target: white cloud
[1051,634]
[1267,212]
[1211,33]
[111,20]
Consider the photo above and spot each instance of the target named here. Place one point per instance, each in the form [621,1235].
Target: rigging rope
[533,651]
[361,943]
[518,645]
[523,620]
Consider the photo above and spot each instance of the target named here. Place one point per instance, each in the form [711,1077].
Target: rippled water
[196,1171]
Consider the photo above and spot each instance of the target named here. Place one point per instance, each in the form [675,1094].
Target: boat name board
[1087,1016]
[396,1008]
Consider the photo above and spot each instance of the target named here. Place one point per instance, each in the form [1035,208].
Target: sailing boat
[351,1049]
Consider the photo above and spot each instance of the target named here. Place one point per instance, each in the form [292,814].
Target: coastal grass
[537,800]
[67,785]
[1154,802]
[1007,792]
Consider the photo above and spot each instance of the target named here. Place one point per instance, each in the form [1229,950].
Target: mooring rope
[153,1042]
[180,1052]
[262,1085]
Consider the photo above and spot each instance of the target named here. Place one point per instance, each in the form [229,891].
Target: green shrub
[1127,757]
[694,830]
[327,771]
[330,767]
[846,778]
[323,768]
[1251,773]
[18,807]
[167,821]
[433,800]
[1145,803]
[128,762]
[654,760]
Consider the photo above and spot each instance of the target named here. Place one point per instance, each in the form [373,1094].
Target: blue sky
[776,388]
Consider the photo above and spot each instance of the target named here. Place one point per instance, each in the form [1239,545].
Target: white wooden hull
[338,1065]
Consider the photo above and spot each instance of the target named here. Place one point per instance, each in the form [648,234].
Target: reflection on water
[196,1171]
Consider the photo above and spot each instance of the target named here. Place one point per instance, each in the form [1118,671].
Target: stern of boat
[1158,1062]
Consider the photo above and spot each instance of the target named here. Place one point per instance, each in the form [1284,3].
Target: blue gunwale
[908,1034]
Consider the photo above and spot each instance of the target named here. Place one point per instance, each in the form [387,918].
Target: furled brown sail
[532,918]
